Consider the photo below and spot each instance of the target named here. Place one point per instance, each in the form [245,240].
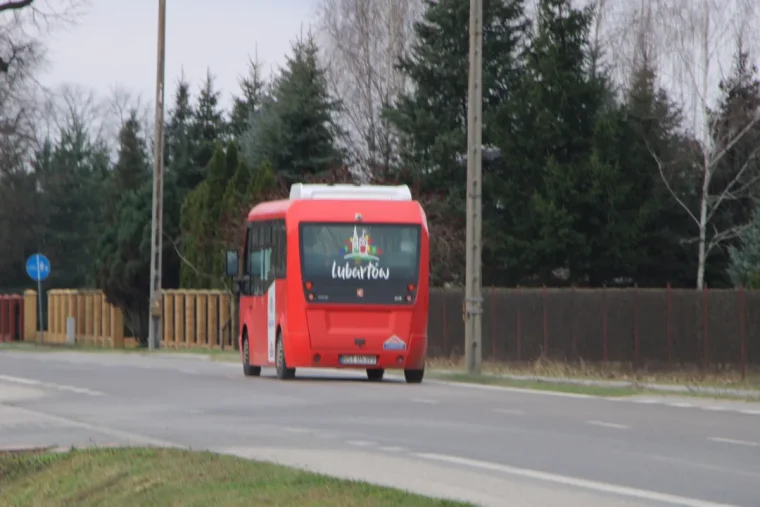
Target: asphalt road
[491,446]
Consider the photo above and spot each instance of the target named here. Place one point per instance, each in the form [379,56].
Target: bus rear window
[360,252]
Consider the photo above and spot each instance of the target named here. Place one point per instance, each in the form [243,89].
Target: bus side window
[279,249]
[265,263]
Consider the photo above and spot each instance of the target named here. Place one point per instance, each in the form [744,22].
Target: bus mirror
[231,267]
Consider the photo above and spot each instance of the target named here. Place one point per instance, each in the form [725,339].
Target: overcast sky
[114,44]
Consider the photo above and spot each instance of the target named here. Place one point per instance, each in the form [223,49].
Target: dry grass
[138,476]
[684,375]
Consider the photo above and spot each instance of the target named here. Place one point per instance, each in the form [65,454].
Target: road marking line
[425,401]
[105,430]
[609,425]
[59,387]
[681,405]
[19,380]
[716,408]
[508,411]
[392,448]
[734,442]
[601,487]
[360,443]
[520,390]
[750,412]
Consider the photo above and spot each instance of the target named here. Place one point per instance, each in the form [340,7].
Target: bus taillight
[311,296]
[308,285]
[410,287]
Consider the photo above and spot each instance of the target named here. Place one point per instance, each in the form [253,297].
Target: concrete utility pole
[473,298]
[157,228]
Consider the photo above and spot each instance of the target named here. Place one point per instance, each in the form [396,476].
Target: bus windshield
[340,257]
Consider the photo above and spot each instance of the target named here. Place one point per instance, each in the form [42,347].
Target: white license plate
[362,360]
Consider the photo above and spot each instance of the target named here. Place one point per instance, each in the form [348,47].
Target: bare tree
[362,41]
[23,27]
[698,33]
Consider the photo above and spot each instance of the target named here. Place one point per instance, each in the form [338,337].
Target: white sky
[114,43]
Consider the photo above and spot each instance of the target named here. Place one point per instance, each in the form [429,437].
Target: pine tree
[735,176]
[180,145]
[201,224]
[431,121]
[132,166]
[744,265]
[651,131]
[297,134]
[253,91]
[554,179]
[122,261]
[208,124]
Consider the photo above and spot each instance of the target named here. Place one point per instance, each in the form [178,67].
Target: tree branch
[190,264]
[728,191]
[15,5]
[660,166]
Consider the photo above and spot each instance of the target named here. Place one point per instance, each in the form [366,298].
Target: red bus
[336,276]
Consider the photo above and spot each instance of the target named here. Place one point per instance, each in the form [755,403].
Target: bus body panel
[263,320]
[325,330]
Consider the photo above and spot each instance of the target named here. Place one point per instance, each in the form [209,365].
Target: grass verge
[147,476]
[676,375]
[539,386]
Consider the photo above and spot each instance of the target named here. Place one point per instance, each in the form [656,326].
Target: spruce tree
[253,92]
[179,142]
[431,120]
[552,178]
[297,133]
[208,124]
[744,265]
[122,265]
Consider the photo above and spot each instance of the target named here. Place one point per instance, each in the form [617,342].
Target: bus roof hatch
[350,192]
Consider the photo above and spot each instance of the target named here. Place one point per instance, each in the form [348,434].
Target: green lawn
[162,477]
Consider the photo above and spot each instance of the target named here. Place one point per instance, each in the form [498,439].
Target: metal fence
[639,326]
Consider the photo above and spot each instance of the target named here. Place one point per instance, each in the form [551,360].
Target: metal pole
[154,330]
[39,298]
[473,297]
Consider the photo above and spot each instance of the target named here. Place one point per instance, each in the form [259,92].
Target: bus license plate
[363,360]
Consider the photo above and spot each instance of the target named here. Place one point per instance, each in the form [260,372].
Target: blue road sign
[38,267]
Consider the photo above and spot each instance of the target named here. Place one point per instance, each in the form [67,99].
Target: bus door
[262,310]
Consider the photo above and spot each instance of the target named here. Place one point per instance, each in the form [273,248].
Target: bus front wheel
[248,370]
[281,366]
[414,376]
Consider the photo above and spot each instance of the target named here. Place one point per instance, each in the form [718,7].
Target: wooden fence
[11,317]
[652,326]
[638,326]
[192,318]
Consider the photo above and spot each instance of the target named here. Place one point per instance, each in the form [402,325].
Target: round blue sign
[38,267]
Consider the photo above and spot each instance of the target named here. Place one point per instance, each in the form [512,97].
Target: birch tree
[362,41]
[699,33]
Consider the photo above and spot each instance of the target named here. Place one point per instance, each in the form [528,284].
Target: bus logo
[360,248]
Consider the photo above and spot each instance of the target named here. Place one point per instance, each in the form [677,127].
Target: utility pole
[473,298]
[157,228]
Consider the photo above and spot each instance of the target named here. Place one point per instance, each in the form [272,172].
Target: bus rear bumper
[412,357]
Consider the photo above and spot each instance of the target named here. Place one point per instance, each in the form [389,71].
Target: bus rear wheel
[414,376]
[248,370]
[283,372]
[375,374]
